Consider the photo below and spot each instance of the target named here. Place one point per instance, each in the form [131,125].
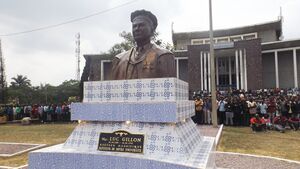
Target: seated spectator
[294,122]
[257,124]
[266,120]
[279,123]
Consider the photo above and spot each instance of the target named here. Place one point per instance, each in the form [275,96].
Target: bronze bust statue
[146,60]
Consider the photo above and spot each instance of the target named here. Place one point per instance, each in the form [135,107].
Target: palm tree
[20,81]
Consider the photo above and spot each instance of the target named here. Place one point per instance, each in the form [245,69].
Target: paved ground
[208,130]
[9,149]
[243,161]
[240,161]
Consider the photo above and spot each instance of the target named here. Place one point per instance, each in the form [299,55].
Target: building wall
[94,73]
[254,62]
[182,44]
[106,68]
[268,63]
[194,77]
[183,69]
[267,36]
[286,69]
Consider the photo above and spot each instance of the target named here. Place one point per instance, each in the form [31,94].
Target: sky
[48,55]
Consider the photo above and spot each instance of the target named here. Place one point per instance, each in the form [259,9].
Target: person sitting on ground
[279,123]
[294,122]
[257,124]
[266,119]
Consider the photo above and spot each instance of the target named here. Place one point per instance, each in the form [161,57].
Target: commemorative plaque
[121,141]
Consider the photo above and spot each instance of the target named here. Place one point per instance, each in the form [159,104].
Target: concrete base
[172,146]
[59,157]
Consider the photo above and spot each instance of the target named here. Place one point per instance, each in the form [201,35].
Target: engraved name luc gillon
[121,141]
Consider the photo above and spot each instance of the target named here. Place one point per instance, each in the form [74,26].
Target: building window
[105,69]
[248,37]
[235,38]
[197,41]
[222,40]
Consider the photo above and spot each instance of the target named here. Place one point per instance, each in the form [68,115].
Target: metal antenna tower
[77,54]
[2,76]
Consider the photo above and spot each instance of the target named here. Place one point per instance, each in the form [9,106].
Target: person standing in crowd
[10,113]
[221,110]
[58,112]
[272,108]
[263,108]
[41,112]
[245,117]
[252,107]
[18,113]
[229,112]
[208,107]
[199,110]
[51,113]
[283,107]
[66,112]
[34,112]
[296,111]
[237,110]
[14,113]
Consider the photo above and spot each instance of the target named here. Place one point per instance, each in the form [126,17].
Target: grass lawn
[272,143]
[37,134]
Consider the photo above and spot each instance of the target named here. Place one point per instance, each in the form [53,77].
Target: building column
[241,69]
[245,70]
[201,69]
[205,72]
[295,68]
[209,80]
[217,71]
[237,69]
[230,72]
[276,69]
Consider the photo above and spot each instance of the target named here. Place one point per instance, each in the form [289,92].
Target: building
[249,57]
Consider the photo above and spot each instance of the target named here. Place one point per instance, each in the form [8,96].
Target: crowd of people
[261,109]
[42,113]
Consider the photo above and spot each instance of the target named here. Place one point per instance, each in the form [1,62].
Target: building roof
[274,25]
[98,56]
[280,44]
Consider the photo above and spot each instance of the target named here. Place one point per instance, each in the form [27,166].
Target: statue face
[141,29]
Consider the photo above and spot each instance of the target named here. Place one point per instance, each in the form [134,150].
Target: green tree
[20,81]
[126,44]
[69,88]
[21,92]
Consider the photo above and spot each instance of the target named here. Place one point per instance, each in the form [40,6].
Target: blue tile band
[133,111]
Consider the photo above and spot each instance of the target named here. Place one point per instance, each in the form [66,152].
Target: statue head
[144,24]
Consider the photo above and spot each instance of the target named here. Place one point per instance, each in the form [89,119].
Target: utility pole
[212,69]
[77,54]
